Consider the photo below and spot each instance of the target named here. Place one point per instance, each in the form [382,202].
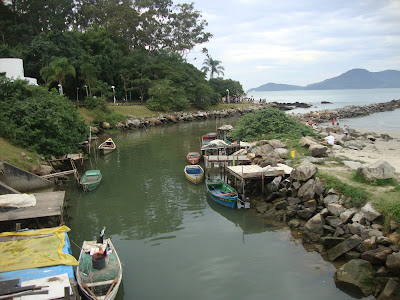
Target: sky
[298,42]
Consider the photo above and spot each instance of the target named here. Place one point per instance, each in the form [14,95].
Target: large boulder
[281,152]
[378,170]
[357,275]
[391,290]
[344,247]
[370,212]
[314,228]
[317,150]
[306,192]
[304,171]
[377,256]
[277,144]
[393,263]
[263,151]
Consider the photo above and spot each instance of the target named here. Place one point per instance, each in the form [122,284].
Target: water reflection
[169,233]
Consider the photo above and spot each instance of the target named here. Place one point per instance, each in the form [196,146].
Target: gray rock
[334,221]
[330,242]
[379,170]
[383,240]
[336,209]
[355,228]
[105,125]
[393,263]
[319,187]
[343,247]
[377,256]
[276,144]
[307,141]
[315,160]
[370,212]
[293,202]
[367,244]
[317,150]
[347,215]
[367,233]
[311,205]
[306,192]
[315,224]
[294,223]
[281,152]
[391,290]
[358,218]
[352,255]
[281,205]
[304,214]
[304,171]
[263,151]
[357,275]
[331,198]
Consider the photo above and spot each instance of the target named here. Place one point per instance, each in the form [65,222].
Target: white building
[14,69]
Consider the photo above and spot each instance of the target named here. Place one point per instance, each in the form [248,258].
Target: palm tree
[58,69]
[212,66]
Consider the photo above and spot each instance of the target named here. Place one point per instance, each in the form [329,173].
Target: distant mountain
[277,87]
[353,79]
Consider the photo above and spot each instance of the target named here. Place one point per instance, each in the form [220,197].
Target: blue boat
[222,193]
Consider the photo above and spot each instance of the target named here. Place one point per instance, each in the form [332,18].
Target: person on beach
[314,126]
[346,131]
[337,120]
[333,121]
[331,141]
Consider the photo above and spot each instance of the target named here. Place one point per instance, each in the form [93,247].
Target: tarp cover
[35,252]
[17,200]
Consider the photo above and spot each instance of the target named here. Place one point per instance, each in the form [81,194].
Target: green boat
[90,180]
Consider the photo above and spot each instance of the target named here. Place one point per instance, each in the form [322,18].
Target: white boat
[99,272]
[194,173]
[107,146]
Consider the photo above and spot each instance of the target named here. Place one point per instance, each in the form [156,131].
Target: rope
[75,244]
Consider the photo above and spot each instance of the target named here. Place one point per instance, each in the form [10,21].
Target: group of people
[337,121]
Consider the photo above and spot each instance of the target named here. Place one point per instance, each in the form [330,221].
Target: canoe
[107,146]
[194,173]
[90,180]
[222,193]
[193,157]
[99,276]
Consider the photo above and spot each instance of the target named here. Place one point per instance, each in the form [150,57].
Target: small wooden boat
[222,193]
[193,157]
[194,173]
[90,180]
[99,272]
[107,146]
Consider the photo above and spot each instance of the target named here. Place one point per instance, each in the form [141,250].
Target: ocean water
[385,121]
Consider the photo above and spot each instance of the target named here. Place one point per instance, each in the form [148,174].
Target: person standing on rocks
[333,122]
[337,121]
[346,131]
[331,141]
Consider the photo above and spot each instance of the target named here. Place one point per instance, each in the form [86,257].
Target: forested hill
[353,79]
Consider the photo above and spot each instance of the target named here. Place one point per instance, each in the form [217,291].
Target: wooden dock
[47,205]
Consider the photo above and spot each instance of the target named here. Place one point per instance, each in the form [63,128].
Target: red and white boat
[193,157]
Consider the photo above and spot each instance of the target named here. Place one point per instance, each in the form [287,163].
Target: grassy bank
[14,155]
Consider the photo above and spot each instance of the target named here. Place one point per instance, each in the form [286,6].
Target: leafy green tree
[165,96]
[220,86]
[32,117]
[58,69]
[213,66]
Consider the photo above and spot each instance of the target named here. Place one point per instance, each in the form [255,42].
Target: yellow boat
[194,173]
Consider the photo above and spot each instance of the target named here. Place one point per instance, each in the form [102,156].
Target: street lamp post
[60,90]
[77,94]
[87,93]
[229,100]
[113,88]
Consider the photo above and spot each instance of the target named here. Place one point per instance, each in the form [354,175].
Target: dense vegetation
[133,50]
[269,123]
[34,118]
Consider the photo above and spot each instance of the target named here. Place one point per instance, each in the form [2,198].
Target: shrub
[164,96]
[269,123]
[32,117]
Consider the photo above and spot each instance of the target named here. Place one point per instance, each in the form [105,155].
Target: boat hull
[91,180]
[193,158]
[222,193]
[111,286]
[107,146]
[194,174]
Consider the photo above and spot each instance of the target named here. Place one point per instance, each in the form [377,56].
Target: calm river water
[173,242]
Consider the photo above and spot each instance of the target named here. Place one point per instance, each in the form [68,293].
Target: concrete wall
[21,180]
[14,69]
[5,189]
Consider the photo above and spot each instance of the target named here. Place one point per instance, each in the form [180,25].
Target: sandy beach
[377,150]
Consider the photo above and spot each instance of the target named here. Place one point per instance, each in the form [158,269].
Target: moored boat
[107,146]
[99,273]
[193,157]
[222,193]
[90,180]
[194,173]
